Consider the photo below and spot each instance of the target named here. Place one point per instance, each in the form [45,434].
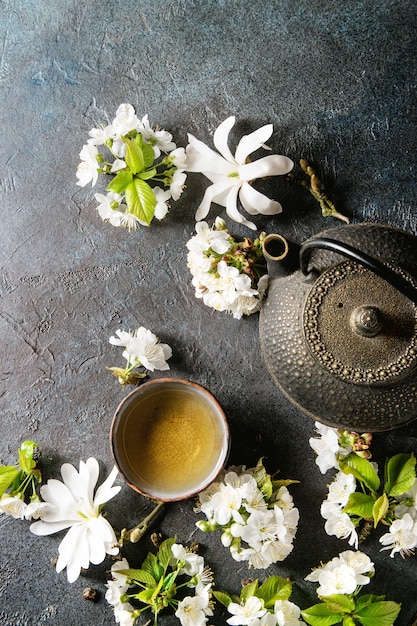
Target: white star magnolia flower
[326,448]
[232,175]
[143,348]
[73,505]
[245,614]
[402,536]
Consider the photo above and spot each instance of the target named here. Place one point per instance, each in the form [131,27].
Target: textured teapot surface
[341,342]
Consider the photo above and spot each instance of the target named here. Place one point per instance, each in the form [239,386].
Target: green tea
[171,440]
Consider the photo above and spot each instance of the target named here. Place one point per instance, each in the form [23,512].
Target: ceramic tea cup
[169,439]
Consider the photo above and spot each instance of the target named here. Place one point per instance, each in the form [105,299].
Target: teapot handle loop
[376,266]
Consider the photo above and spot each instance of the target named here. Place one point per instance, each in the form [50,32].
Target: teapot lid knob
[366,321]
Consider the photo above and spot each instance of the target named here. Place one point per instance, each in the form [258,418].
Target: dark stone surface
[338,81]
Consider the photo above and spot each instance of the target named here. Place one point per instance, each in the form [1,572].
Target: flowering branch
[162,582]
[391,501]
[227,275]
[142,350]
[255,513]
[134,148]
[15,480]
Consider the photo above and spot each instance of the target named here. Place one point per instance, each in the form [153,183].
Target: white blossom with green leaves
[147,169]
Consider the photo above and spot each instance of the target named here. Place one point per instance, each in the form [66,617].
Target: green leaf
[360,504]
[367,599]
[141,200]
[145,596]
[340,603]
[170,580]
[401,474]
[263,479]
[148,153]
[26,462]
[7,475]
[164,554]
[119,183]
[273,589]
[147,174]
[139,575]
[362,469]
[28,448]
[152,565]
[381,507]
[223,598]
[134,155]
[320,615]
[382,613]
[249,590]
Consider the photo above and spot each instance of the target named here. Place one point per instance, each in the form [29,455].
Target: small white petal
[221,136]
[271,165]
[255,202]
[253,141]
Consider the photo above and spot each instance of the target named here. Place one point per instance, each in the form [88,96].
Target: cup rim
[225,438]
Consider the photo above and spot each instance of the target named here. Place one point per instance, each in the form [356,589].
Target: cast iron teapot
[338,329]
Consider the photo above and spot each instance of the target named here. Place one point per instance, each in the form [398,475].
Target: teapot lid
[359,327]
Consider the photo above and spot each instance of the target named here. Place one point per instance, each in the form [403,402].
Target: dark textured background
[338,81]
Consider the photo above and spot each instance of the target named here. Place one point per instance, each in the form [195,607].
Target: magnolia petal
[271,165]
[255,202]
[201,158]
[212,194]
[221,136]
[106,491]
[73,552]
[96,546]
[232,211]
[55,492]
[42,528]
[92,472]
[253,141]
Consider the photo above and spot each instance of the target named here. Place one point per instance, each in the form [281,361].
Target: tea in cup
[170,439]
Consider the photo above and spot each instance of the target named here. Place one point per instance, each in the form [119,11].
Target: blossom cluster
[227,275]
[340,582]
[137,155]
[358,499]
[143,350]
[256,515]
[176,577]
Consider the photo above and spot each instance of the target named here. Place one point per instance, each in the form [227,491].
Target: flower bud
[220,223]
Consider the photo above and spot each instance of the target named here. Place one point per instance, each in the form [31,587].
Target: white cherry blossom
[143,348]
[326,447]
[402,536]
[244,614]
